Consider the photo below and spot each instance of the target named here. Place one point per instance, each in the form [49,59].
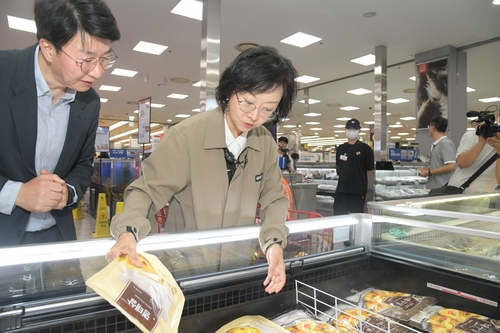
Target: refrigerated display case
[339,255]
[325,176]
[402,182]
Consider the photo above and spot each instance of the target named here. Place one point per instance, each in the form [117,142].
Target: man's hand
[276,274]
[494,142]
[423,172]
[43,193]
[125,244]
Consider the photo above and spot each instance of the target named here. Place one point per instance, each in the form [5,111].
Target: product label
[140,305]
[405,303]
[375,325]
[474,325]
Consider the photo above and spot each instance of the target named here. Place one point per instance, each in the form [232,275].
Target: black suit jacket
[18,134]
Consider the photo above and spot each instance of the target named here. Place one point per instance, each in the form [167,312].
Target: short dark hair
[440,123]
[259,70]
[283,139]
[295,156]
[59,20]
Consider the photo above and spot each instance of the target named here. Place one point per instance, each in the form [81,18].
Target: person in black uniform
[355,162]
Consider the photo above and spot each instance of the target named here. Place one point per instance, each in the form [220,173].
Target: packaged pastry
[354,320]
[398,305]
[148,296]
[297,321]
[251,324]
[446,320]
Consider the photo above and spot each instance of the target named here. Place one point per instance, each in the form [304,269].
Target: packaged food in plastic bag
[349,319]
[297,321]
[398,305]
[251,324]
[438,319]
[148,296]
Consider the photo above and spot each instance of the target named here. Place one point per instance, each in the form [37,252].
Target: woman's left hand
[276,274]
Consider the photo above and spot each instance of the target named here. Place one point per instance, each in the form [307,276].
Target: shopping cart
[161,219]
[304,243]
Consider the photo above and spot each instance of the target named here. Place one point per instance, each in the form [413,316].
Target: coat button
[19,232]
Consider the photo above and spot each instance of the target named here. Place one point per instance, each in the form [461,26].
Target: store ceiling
[404,27]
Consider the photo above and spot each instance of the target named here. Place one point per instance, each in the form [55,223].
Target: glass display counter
[460,233]
[402,182]
[402,246]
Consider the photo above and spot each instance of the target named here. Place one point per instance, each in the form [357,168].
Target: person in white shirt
[474,150]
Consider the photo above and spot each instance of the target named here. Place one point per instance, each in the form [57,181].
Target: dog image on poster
[432,91]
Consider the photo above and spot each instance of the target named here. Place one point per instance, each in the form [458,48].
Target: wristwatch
[429,173]
[71,195]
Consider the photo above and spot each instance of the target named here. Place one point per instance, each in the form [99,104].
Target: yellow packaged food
[251,324]
[148,296]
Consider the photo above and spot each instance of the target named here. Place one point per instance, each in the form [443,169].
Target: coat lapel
[24,107]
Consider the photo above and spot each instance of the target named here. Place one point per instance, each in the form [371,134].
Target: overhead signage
[144,121]
[401,154]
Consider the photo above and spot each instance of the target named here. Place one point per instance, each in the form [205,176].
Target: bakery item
[244,330]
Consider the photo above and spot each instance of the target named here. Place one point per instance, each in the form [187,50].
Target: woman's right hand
[125,244]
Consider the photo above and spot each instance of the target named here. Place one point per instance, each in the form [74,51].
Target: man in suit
[49,115]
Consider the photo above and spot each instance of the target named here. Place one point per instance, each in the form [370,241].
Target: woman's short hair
[259,70]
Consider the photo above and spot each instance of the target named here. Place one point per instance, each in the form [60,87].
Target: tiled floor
[85,227]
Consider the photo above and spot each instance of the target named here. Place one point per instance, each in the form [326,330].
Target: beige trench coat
[189,167]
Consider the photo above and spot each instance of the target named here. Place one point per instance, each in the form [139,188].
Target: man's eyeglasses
[247,107]
[88,65]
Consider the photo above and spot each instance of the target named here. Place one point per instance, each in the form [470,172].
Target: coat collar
[215,138]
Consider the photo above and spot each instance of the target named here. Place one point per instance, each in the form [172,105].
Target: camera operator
[283,151]
[475,149]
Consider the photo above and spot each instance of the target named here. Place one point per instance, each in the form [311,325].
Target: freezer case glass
[47,281]
[460,233]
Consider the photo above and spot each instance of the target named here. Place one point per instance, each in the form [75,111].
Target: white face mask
[351,133]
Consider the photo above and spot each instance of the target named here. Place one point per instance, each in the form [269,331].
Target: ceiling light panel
[349,108]
[489,100]
[189,8]
[306,79]
[366,60]
[359,91]
[123,72]
[177,96]
[158,106]
[150,48]
[311,101]
[18,23]
[398,100]
[109,88]
[300,39]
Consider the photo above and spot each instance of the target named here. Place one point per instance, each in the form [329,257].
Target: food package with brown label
[148,296]
[352,319]
[297,321]
[397,305]
[251,324]
[438,319]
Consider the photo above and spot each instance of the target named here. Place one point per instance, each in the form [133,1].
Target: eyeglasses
[88,65]
[264,113]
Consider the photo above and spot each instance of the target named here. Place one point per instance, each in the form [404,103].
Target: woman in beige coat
[216,167]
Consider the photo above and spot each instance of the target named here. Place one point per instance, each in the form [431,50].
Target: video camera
[489,128]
